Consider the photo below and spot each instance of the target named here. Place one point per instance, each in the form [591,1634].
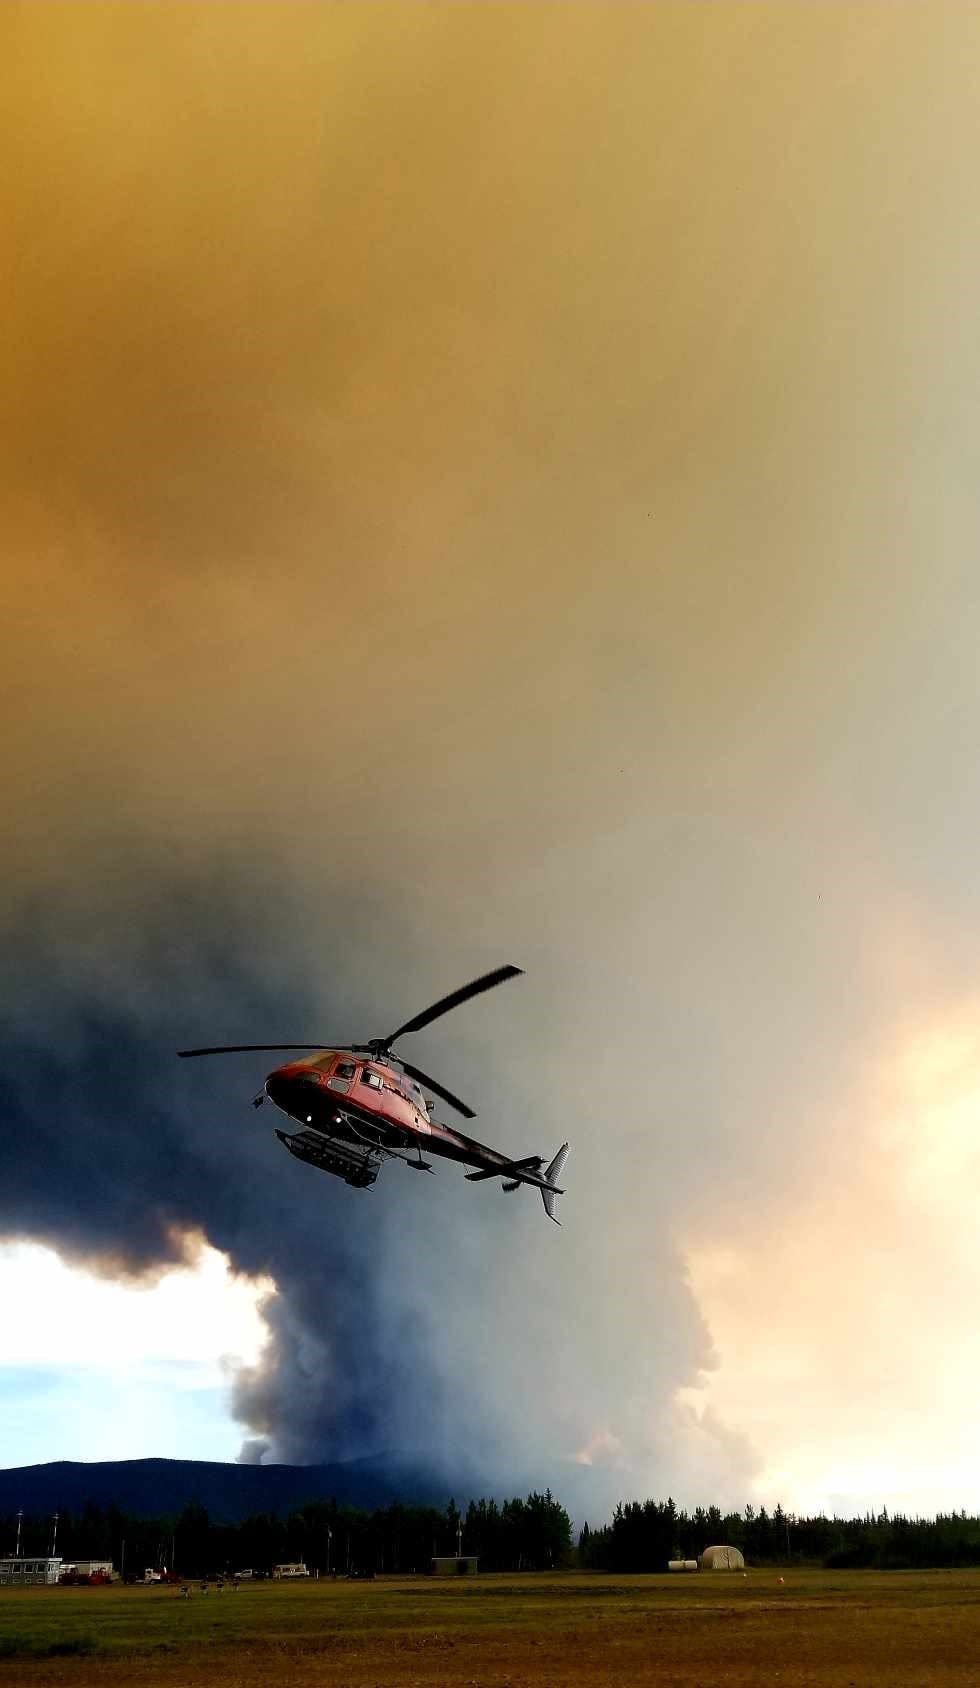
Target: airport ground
[815,1629]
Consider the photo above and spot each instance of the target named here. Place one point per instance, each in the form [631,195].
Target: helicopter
[358,1105]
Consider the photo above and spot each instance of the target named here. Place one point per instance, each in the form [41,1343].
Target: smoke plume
[478,492]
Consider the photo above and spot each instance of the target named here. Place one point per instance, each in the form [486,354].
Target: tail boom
[528,1171]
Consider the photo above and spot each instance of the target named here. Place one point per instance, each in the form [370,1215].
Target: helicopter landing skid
[417,1164]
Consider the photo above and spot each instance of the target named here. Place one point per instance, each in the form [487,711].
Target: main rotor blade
[244,1048]
[440,1089]
[443,1006]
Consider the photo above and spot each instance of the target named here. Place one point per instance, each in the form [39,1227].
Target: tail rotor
[552,1175]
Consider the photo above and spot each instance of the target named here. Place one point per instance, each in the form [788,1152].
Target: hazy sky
[482,484]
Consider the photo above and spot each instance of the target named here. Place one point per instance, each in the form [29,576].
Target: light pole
[329,1540]
[20,1517]
[54,1536]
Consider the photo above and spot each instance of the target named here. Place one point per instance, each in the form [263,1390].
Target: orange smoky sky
[513,469]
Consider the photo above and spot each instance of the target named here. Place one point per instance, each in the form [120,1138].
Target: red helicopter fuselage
[368,1103]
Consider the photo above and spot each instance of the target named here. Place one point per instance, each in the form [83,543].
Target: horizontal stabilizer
[530,1164]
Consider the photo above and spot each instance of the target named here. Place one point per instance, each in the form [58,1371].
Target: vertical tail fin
[552,1174]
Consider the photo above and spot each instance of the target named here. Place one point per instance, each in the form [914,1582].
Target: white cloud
[96,1369]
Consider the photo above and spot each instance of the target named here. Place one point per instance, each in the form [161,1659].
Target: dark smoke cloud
[405,1322]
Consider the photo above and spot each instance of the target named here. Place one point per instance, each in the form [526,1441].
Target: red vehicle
[357,1106]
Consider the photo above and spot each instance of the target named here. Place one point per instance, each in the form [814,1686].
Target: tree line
[532,1534]
[644,1535]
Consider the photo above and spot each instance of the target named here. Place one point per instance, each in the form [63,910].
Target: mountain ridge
[157,1487]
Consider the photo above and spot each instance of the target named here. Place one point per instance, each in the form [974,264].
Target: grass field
[836,1629]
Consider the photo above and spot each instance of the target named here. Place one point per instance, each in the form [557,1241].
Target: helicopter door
[369,1089]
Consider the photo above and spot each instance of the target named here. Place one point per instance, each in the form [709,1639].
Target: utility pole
[54,1536]
[20,1518]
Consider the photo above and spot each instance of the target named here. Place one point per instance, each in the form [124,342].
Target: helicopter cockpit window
[341,1077]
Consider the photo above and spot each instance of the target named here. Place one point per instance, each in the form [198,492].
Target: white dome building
[722,1559]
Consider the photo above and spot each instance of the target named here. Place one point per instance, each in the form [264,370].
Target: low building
[722,1559]
[21,1571]
[682,1564]
[455,1565]
[281,1572]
